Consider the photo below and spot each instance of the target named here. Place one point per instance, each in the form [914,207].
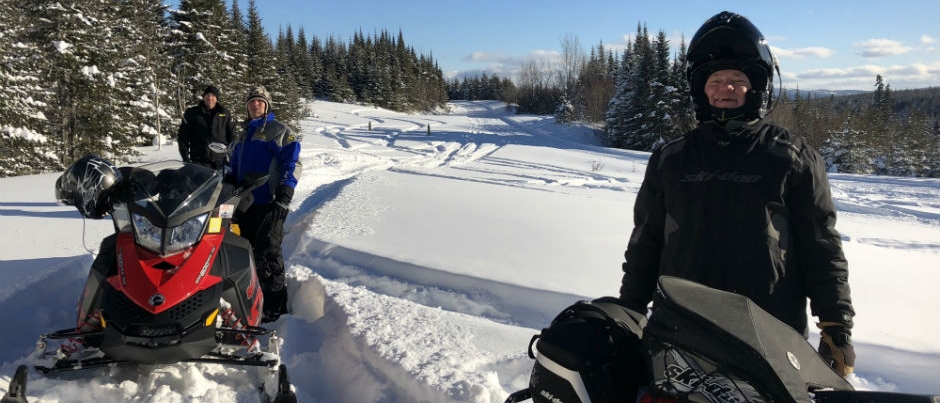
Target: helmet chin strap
[723,115]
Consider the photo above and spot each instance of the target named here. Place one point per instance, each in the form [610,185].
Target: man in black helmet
[739,204]
[203,124]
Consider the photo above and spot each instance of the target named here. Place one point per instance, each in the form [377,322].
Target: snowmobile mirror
[218,148]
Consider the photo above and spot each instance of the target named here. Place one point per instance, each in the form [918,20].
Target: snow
[420,264]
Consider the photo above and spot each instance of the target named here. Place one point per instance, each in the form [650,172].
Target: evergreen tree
[263,68]
[235,86]
[82,49]
[205,51]
[304,66]
[335,78]
[145,73]
[565,111]
[315,69]
[621,103]
[683,115]
[635,120]
[664,101]
[24,148]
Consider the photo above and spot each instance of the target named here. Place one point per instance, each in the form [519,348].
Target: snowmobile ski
[519,396]
[284,393]
[16,393]
[858,396]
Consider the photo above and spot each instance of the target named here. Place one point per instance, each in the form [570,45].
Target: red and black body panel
[155,312]
[174,282]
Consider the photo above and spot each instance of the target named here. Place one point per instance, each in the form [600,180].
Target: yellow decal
[211,317]
[215,225]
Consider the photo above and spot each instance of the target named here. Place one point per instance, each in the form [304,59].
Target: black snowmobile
[698,345]
[175,282]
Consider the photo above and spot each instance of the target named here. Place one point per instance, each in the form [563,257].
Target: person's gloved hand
[283,194]
[278,211]
[835,347]
[281,205]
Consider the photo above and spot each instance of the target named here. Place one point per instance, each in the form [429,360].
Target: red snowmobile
[175,282]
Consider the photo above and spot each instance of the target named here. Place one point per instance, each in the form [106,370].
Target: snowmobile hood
[166,205]
[154,289]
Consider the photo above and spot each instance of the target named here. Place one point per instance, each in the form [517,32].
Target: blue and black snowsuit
[267,147]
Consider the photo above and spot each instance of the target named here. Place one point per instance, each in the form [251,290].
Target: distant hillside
[885,132]
[925,101]
[790,93]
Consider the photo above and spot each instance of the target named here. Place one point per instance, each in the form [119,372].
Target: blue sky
[819,44]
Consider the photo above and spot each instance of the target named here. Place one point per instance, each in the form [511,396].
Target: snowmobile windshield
[166,204]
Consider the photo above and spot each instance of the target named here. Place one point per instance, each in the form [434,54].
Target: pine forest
[106,76]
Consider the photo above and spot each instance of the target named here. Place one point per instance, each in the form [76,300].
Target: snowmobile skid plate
[224,353]
[69,365]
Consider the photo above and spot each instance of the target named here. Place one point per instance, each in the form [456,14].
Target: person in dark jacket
[208,122]
[739,204]
[266,147]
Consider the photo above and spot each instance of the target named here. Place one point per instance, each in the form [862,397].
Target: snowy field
[424,253]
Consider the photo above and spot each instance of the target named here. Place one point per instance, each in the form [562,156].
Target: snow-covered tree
[265,68]
[82,46]
[142,84]
[631,120]
[24,145]
[206,46]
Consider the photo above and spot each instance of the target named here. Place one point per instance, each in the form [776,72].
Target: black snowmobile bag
[591,352]
[707,345]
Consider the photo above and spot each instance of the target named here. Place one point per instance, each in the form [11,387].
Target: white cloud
[485,57]
[802,53]
[875,48]
[927,40]
[917,75]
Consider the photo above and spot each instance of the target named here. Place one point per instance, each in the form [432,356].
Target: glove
[835,347]
[278,211]
[284,194]
[281,204]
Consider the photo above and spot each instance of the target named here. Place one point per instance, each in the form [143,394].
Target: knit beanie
[212,90]
[259,92]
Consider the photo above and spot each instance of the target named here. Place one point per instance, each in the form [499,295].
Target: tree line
[638,99]
[105,76]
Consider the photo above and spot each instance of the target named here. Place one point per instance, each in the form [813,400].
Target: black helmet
[730,41]
[88,185]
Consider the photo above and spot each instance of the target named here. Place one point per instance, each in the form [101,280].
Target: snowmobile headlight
[186,234]
[177,239]
[148,235]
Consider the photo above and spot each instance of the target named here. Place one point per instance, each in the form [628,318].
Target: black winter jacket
[749,213]
[201,126]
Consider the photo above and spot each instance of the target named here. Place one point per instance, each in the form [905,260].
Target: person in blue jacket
[266,147]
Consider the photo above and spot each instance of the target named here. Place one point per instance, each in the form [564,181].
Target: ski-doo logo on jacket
[704,176]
